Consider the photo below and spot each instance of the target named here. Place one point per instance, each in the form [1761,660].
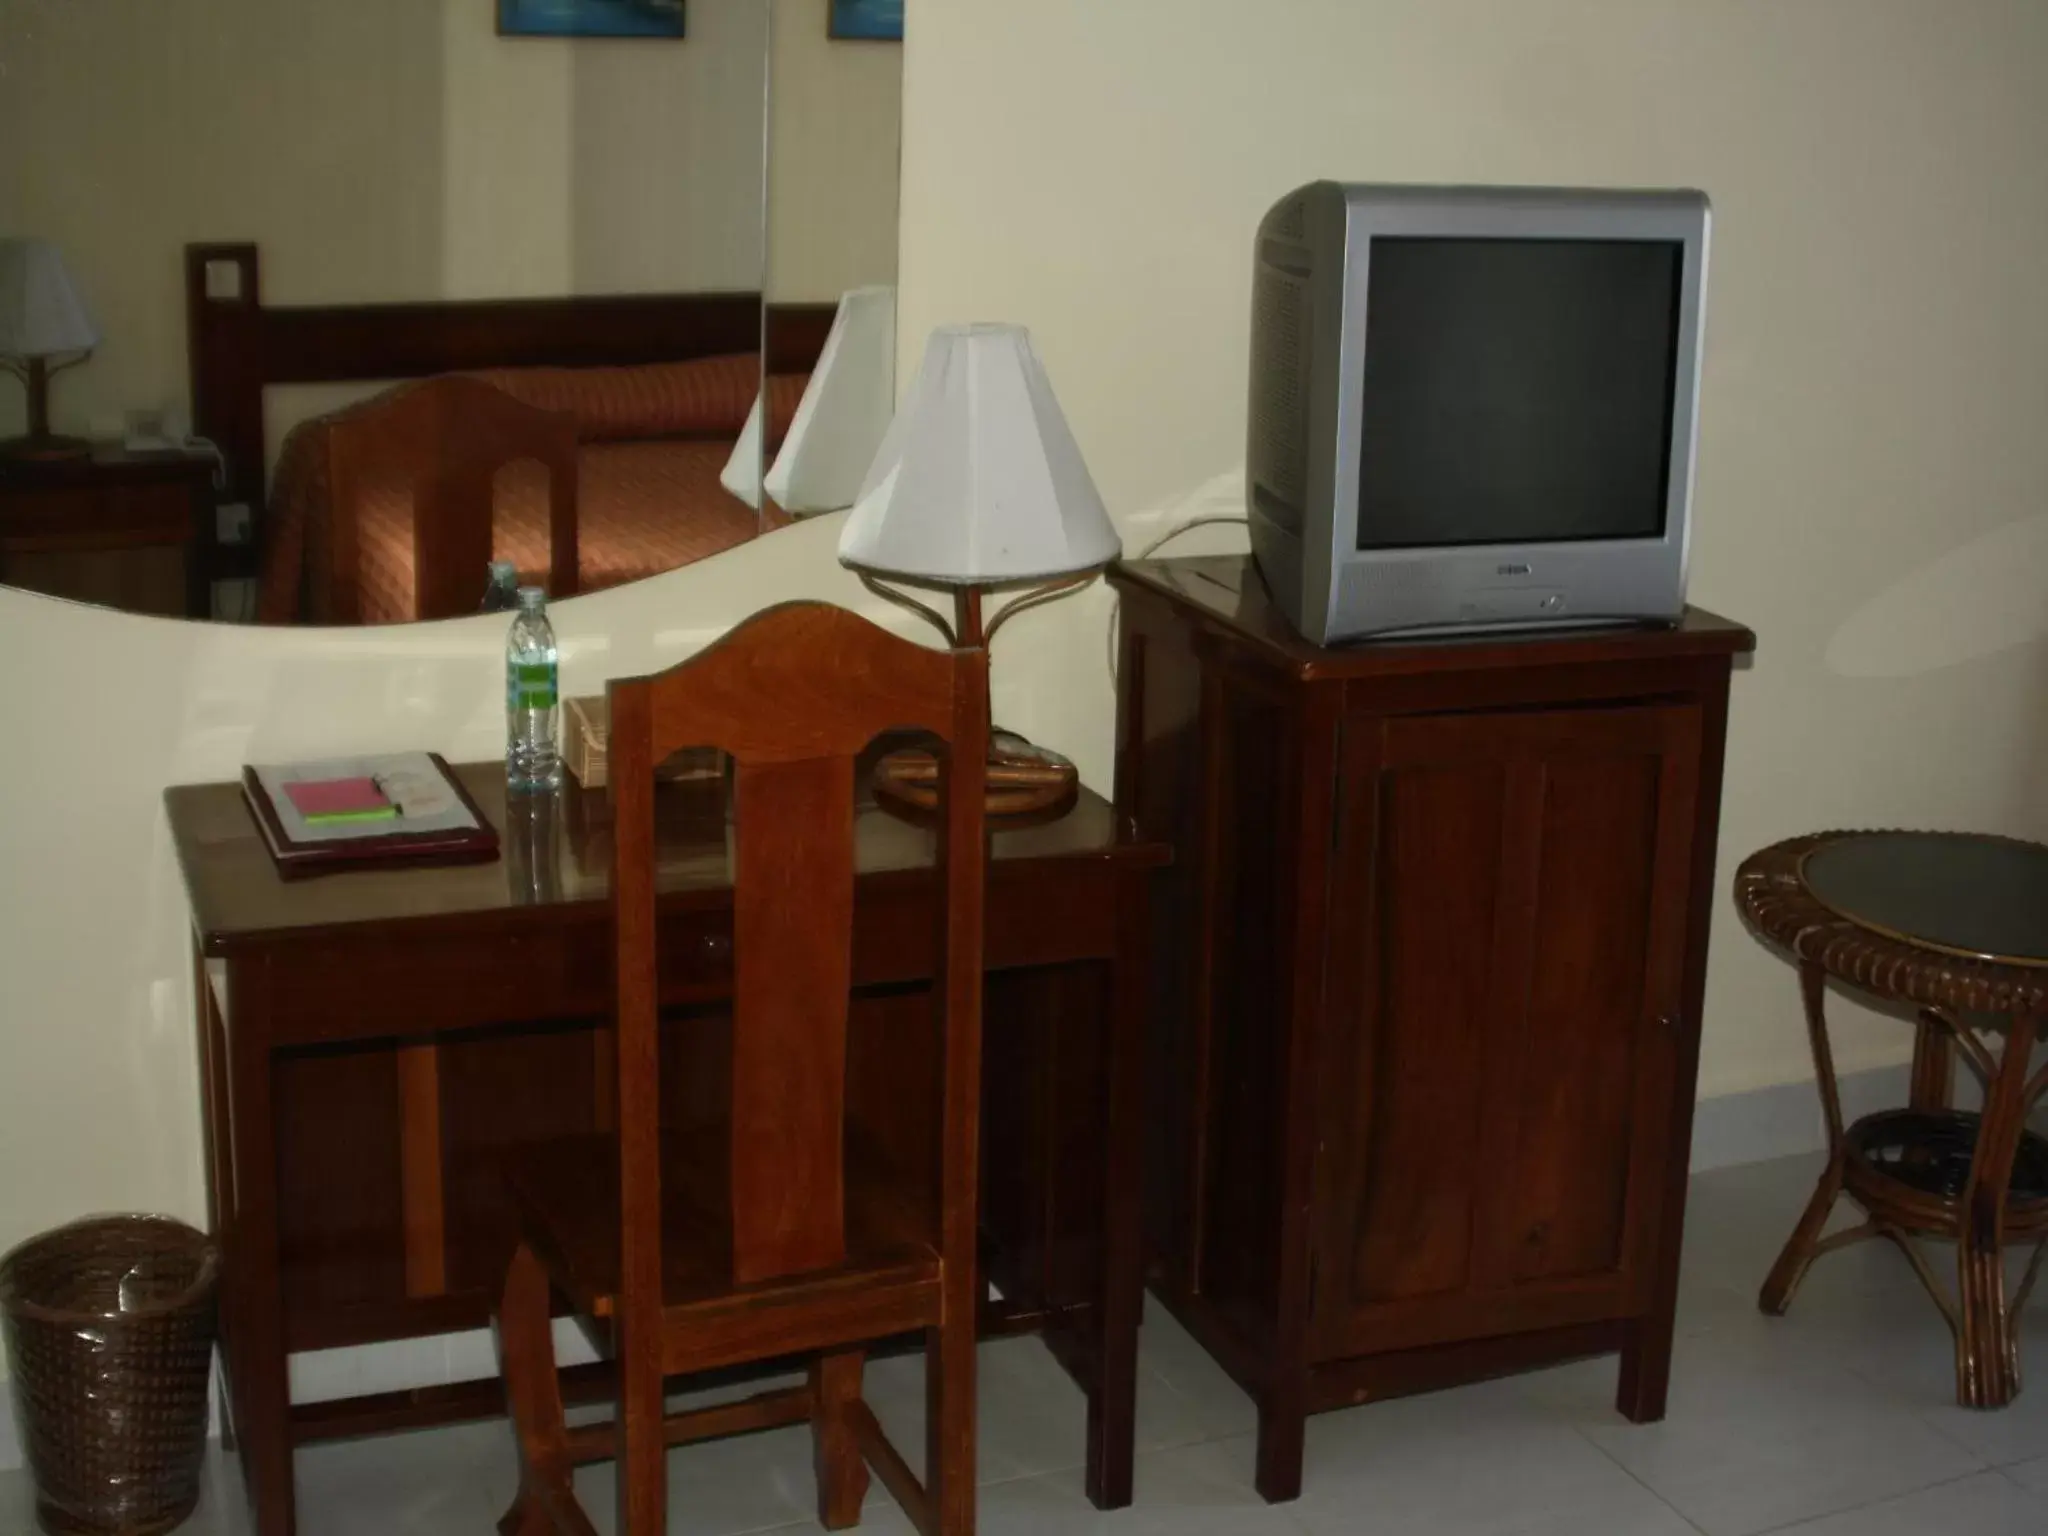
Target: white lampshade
[979,480]
[41,314]
[742,473]
[845,410]
[840,421]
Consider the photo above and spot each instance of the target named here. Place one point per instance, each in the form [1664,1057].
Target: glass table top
[1965,895]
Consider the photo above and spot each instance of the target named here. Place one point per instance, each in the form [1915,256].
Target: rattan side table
[1957,926]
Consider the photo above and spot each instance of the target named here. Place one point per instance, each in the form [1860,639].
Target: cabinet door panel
[1417,1167]
[1506,937]
[1241,1034]
[1563,1187]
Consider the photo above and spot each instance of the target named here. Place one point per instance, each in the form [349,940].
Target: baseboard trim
[1784,1120]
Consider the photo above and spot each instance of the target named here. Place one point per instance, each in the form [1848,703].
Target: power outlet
[232,523]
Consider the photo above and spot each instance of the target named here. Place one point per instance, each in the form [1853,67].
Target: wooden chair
[772,1240]
[446,439]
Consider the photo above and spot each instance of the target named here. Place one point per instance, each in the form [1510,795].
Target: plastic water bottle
[501,591]
[533,715]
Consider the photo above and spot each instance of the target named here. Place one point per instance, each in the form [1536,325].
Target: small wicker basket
[110,1327]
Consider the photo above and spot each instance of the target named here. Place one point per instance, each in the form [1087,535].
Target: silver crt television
[1474,408]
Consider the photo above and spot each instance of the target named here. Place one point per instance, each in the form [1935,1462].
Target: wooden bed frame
[237,346]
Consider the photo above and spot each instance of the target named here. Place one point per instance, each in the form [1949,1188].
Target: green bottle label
[530,685]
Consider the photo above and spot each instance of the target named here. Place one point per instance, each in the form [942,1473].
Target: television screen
[1517,391]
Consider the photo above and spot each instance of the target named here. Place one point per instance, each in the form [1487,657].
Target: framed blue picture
[590,18]
[873,21]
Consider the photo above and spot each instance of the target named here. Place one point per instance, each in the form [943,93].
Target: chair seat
[567,1194]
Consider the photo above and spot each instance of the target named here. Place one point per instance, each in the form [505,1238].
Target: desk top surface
[556,854]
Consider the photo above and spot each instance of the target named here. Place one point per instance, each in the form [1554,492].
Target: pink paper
[336,797]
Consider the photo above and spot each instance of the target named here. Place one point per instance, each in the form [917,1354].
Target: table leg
[1283,1431]
[1801,1248]
[1934,1063]
[254,1293]
[216,1140]
[1113,1400]
[1987,1354]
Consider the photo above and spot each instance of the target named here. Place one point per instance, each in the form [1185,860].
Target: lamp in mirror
[980,486]
[44,329]
[844,415]
[840,421]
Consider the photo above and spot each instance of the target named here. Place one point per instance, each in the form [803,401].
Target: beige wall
[379,149]
[667,193]
[1871,490]
[833,155]
[1873,485]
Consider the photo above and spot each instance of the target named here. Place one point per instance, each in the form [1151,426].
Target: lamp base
[43,448]
[1023,780]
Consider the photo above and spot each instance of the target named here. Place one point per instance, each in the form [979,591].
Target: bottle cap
[533,599]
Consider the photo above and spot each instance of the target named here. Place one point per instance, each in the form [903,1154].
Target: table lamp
[979,486]
[44,329]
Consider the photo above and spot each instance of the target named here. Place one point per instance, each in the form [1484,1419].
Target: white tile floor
[1836,1421]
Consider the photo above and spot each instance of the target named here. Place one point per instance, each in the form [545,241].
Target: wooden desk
[371,1042]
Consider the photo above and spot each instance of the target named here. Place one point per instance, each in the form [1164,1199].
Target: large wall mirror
[332,305]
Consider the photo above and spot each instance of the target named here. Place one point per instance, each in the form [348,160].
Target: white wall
[670,143]
[833,156]
[1873,486]
[376,149]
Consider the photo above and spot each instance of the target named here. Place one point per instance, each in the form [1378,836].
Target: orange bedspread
[644,506]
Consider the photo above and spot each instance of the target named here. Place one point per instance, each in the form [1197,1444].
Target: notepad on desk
[395,807]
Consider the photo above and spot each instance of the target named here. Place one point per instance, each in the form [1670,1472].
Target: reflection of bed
[652,426]
[584,478]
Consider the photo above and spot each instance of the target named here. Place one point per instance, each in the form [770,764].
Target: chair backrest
[445,440]
[793,695]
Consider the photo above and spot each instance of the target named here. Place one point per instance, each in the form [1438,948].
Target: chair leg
[643,1447]
[950,1424]
[835,1451]
[533,1394]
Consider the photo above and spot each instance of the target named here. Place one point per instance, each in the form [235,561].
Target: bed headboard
[237,345]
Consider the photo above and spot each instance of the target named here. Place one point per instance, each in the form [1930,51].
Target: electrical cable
[1207,521]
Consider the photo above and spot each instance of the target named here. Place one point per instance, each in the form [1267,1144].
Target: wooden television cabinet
[1429,969]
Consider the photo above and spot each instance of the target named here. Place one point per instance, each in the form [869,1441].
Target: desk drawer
[376,984]
[695,964]
[380,985]
[96,517]
[148,514]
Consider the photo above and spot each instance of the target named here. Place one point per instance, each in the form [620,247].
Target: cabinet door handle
[1673,1023]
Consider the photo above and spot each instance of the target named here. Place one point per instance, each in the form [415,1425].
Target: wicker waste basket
[109,1325]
